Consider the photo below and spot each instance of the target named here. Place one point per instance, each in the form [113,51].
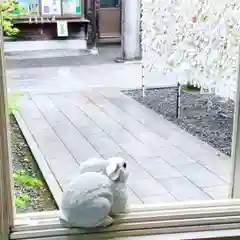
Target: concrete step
[45,54]
[56,58]
[23,46]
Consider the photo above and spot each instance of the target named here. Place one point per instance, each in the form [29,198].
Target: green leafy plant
[6,8]
[22,178]
[21,200]
[13,102]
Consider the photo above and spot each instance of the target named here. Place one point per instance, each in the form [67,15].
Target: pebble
[206,116]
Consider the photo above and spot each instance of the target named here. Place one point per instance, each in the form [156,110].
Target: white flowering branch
[195,39]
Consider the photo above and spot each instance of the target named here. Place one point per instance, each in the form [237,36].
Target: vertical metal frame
[40,12]
[235,181]
[6,187]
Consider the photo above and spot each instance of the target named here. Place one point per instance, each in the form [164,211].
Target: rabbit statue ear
[113,171]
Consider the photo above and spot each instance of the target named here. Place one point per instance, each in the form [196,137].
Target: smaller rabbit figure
[98,193]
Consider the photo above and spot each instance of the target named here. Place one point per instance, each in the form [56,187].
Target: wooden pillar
[94,50]
[6,187]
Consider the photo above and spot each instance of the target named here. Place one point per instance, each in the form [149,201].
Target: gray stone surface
[158,168]
[51,146]
[60,58]
[22,46]
[146,187]
[77,126]
[65,130]
[132,198]
[43,54]
[201,176]
[78,112]
[165,198]
[219,192]
[51,74]
[184,190]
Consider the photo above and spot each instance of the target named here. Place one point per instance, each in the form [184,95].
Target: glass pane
[52,7]
[71,6]
[108,3]
[30,7]
[77,106]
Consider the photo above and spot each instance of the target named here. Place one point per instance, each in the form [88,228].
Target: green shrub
[6,7]
[13,102]
[22,178]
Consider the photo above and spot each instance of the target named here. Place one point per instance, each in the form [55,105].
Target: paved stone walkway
[61,57]
[62,79]
[70,114]
[23,46]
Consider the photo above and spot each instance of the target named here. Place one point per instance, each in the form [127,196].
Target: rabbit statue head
[115,168]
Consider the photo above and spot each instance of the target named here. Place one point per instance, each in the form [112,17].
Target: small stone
[198,118]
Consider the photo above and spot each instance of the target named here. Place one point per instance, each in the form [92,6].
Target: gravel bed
[37,196]
[207,117]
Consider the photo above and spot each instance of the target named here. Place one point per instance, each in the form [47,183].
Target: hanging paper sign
[71,6]
[62,28]
[52,7]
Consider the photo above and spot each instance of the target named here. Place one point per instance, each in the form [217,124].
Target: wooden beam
[6,187]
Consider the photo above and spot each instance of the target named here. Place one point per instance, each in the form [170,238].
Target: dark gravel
[208,117]
[39,197]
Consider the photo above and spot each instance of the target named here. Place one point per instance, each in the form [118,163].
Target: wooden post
[235,181]
[143,80]
[6,187]
[178,104]
[94,49]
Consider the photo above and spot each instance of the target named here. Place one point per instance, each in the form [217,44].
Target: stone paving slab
[60,58]
[220,192]
[184,190]
[195,172]
[100,73]
[22,46]
[40,54]
[50,145]
[73,126]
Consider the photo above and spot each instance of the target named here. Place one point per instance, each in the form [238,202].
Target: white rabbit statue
[98,193]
